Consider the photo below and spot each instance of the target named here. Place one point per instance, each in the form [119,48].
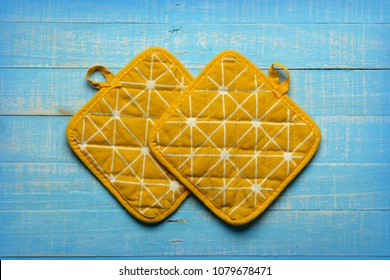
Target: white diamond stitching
[256,185]
[115,150]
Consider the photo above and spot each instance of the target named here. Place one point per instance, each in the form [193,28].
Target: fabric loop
[276,115]
[280,87]
[105,72]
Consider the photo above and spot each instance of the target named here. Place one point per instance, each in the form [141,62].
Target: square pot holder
[234,138]
[109,134]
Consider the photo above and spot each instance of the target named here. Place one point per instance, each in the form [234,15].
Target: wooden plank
[52,206]
[135,11]
[220,11]
[72,45]
[115,233]
[344,139]
[295,11]
[318,92]
[69,186]
[297,45]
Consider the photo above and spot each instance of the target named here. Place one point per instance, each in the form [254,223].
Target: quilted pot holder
[234,138]
[109,134]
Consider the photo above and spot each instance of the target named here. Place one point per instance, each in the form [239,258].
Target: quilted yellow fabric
[109,134]
[234,138]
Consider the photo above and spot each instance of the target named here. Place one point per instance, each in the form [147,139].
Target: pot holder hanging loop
[280,87]
[111,81]
[234,138]
[109,134]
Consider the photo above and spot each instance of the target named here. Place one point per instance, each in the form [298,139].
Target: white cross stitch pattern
[132,109]
[234,140]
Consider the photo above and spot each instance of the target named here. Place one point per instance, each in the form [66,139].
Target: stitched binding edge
[89,163]
[152,142]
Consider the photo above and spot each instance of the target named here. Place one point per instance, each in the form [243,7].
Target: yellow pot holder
[109,134]
[234,138]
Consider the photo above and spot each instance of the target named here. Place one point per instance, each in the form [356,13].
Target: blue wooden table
[339,56]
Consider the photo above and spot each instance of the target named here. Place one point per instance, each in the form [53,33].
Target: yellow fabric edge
[152,142]
[91,166]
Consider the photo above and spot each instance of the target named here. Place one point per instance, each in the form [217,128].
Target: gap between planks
[175,22]
[120,210]
[204,65]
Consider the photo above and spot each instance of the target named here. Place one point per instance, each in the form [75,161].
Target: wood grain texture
[297,45]
[321,186]
[344,139]
[280,233]
[338,53]
[138,11]
[295,11]
[85,11]
[318,92]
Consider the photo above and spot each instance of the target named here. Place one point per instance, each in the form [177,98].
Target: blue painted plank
[71,45]
[50,205]
[306,46]
[220,11]
[174,258]
[285,11]
[344,139]
[115,233]
[135,11]
[297,45]
[69,186]
[319,92]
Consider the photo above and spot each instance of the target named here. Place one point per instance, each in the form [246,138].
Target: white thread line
[212,80]
[130,132]
[139,72]
[236,77]
[223,73]
[98,130]
[231,90]
[257,153]
[108,105]
[111,147]
[114,136]
[164,173]
[128,166]
[131,97]
[162,99]
[83,131]
[236,122]
[297,147]
[156,85]
[117,149]
[247,197]
[174,139]
[207,137]
[170,71]
[166,71]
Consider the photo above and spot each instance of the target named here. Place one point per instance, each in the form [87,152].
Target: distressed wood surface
[318,92]
[46,186]
[297,45]
[338,53]
[115,233]
[140,11]
[345,139]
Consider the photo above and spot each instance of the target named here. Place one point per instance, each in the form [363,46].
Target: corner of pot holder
[234,138]
[109,134]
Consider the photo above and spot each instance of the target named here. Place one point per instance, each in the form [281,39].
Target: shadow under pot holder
[234,138]
[109,134]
